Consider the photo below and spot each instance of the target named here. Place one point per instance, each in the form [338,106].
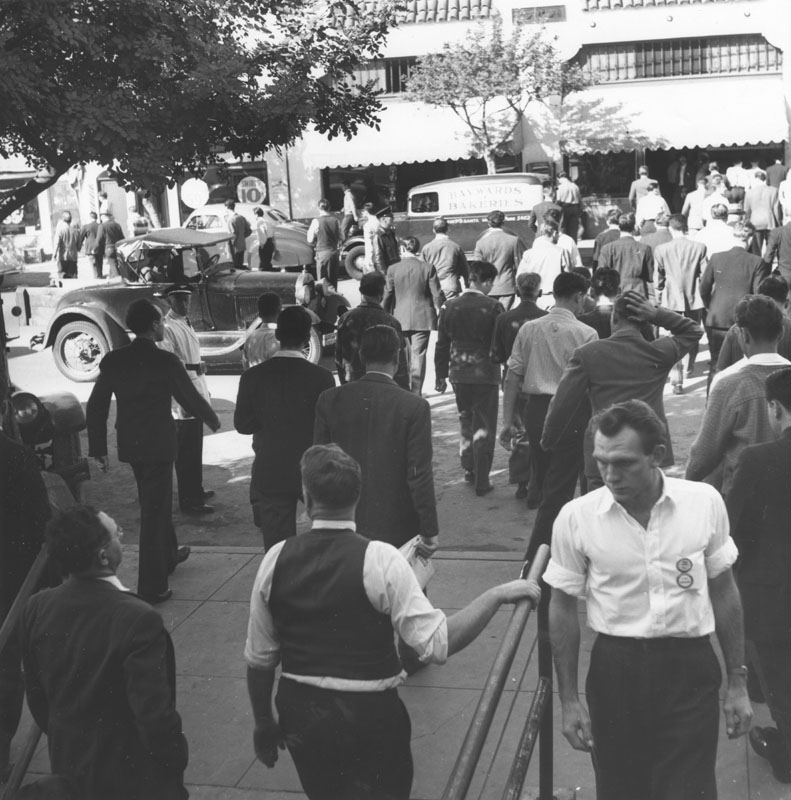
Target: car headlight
[32,418]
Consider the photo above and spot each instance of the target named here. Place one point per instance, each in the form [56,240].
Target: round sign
[194,193]
[251,190]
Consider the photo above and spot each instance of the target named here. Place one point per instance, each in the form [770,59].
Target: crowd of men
[582,360]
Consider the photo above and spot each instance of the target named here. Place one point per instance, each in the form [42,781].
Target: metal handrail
[463,770]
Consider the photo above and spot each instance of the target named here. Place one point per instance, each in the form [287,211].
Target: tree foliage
[489,80]
[156,89]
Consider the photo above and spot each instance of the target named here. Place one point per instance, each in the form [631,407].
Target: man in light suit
[388,431]
[276,403]
[448,258]
[145,380]
[504,250]
[413,296]
[100,672]
[761,207]
[679,266]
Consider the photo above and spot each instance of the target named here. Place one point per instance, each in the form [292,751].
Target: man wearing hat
[110,232]
[385,245]
[181,340]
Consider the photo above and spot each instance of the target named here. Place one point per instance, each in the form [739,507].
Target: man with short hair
[329,604]
[386,250]
[110,233]
[181,340]
[605,287]
[659,236]
[324,232]
[276,403]
[718,195]
[538,358]
[761,207]
[261,344]
[88,236]
[612,233]
[354,323]
[464,354]
[504,250]
[528,286]
[718,236]
[680,263]
[623,367]
[759,506]
[413,296]
[100,672]
[145,380]
[545,259]
[241,229]
[350,212]
[776,173]
[779,247]
[570,201]
[66,246]
[633,261]
[448,259]
[563,240]
[547,204]
[652,557]
[693,206]
[388,432]
[732,357]
[265,230]
[649,207]
[735,414]
[639,187]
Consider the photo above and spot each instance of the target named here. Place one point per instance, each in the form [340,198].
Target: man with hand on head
[652,557]
[326,606]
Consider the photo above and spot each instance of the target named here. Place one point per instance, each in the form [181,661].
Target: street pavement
[482,541]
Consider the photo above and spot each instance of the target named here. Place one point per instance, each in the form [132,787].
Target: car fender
[112,328]
[348,244]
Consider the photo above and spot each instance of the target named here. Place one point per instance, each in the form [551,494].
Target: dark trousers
[570,219]
[98,261]
[265,253]
[535,414]
[477,405]
[654,708]
[189,462]
[762,237]
[519,459]
[158,542]
[347,745]
[11,687]
[276,516]
[67,268]
[346,224]
[418,347]
[327,264]
[716,337]
[560,479]
[772,663]
[238,259]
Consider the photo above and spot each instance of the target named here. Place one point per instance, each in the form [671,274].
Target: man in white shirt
[718,236]
[350,213]
[546,259]
[693,206]
[265,229]
[649,208]
[327,604]
[652,556]
[715,197]
[180,339]
[563,240]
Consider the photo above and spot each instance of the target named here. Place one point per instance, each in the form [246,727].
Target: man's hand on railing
[576,725]
[521,588]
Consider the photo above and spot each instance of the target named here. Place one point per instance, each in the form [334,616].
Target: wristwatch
[742,670]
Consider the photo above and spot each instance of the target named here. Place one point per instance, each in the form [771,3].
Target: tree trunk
[27,192]
[491,167]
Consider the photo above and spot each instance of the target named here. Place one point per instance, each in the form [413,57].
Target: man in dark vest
[326,605]
[325,234]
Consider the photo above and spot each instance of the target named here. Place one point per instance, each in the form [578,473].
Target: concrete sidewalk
[208,619]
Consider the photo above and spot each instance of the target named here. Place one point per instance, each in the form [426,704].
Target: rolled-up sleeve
[567,569]
[262,648]
[721,552]
[392,589]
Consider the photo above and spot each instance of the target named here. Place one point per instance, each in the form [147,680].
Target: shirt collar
[377,372]
[114,580]
[441,236]
[369,303]
[288,354]
[334,524]
[767,359]
[470,290]
[608,501]
[557,311]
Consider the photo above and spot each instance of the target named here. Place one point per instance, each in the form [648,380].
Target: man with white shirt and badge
[180,339]
[652,555]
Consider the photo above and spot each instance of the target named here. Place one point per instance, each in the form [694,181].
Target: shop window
[388,75]
[23,219]
[424,203]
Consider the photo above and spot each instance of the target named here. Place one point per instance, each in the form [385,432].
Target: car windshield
[202,222]
[277,216]
[165,265]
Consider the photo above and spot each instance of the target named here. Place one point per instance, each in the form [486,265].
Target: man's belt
[199,368]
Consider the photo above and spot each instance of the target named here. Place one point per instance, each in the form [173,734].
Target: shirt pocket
[686,574]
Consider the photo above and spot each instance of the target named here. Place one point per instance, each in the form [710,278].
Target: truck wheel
[355,262]
[79,347]
[313,350]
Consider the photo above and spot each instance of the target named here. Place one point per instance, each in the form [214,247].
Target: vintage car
[88,322]
[292,251]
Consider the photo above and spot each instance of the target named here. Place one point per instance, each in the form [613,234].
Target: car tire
[355,261]
[78,349]
[314,349]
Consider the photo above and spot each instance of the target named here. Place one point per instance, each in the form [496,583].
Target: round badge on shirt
[684,564]
[685,580]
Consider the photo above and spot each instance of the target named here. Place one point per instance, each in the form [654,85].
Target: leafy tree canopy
[156,89]
[489,80]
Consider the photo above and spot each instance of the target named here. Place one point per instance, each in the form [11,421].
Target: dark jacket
[109,234]
[605,237]
[88,236]
[277,404]
[101,683]
[759,507]
[633,260]
[385,249]
[464,341]
[507,326]
[779,246]
[537,214]
[388,431]
[412,294]
[728,278]
[504,250]
[144,380]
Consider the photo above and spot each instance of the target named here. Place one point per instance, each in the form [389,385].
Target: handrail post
[546,745]
[467,760]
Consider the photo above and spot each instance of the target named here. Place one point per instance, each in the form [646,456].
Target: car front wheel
[79,347]
[313,350]
[355,262]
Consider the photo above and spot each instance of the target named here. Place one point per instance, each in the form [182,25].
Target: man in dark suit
[463,353]
[413,296]
[100,672]
[88,238]
[145,380]
[24,510]
[448,258]
[728,277]
[779,247]
[759,507]
[612,233]
[547,204]
[633,260]
[276,403]
[504,250]
[776,173]
[388,431]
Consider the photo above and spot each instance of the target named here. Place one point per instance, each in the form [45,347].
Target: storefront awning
[409,132]
[695,112]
